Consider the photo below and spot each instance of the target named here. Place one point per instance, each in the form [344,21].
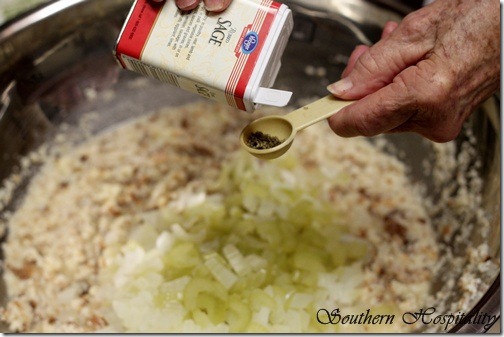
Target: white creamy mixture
[164,225]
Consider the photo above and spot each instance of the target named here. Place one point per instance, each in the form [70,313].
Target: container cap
[273,97]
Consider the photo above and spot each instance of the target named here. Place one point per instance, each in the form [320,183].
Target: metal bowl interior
[56,58]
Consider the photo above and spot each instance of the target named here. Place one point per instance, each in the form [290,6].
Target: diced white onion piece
[300,300]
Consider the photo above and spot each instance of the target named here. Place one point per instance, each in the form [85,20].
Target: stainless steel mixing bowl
[56,60]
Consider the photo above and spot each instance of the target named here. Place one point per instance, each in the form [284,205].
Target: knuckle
[368,63]
[370,66]
[389,27]
[415,25]
[427,87]
[369,124]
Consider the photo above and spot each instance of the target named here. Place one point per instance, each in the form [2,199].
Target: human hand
[210,5]
[426,75]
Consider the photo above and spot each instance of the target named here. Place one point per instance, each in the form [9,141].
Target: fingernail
[340,87]
[184,4]
[214,5]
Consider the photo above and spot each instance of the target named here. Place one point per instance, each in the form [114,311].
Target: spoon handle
[315,111]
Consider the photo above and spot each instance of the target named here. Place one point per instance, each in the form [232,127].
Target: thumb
[217,5]
[377,66]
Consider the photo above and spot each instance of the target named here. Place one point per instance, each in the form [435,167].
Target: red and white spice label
[211,54]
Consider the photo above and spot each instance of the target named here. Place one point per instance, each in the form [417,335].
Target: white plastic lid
[259,91]
[273,97]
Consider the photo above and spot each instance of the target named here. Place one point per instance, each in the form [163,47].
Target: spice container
[232,57]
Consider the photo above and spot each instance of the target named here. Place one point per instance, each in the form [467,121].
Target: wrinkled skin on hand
[210,5]
[427,73]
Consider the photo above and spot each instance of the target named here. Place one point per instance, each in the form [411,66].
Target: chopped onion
[257,255]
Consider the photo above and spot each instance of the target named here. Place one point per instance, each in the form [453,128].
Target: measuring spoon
[285,127]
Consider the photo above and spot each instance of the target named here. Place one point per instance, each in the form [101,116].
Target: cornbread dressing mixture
[164,224]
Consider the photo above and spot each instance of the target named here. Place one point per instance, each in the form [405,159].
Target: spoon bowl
[285,127]
[275,126]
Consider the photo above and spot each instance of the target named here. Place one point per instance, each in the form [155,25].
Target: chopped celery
[261,248]
[238,316]
[201,318]
[200,285]
[235,259]
[260,299]
[182,255]
[219,270]
[214,308]
[308,260]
